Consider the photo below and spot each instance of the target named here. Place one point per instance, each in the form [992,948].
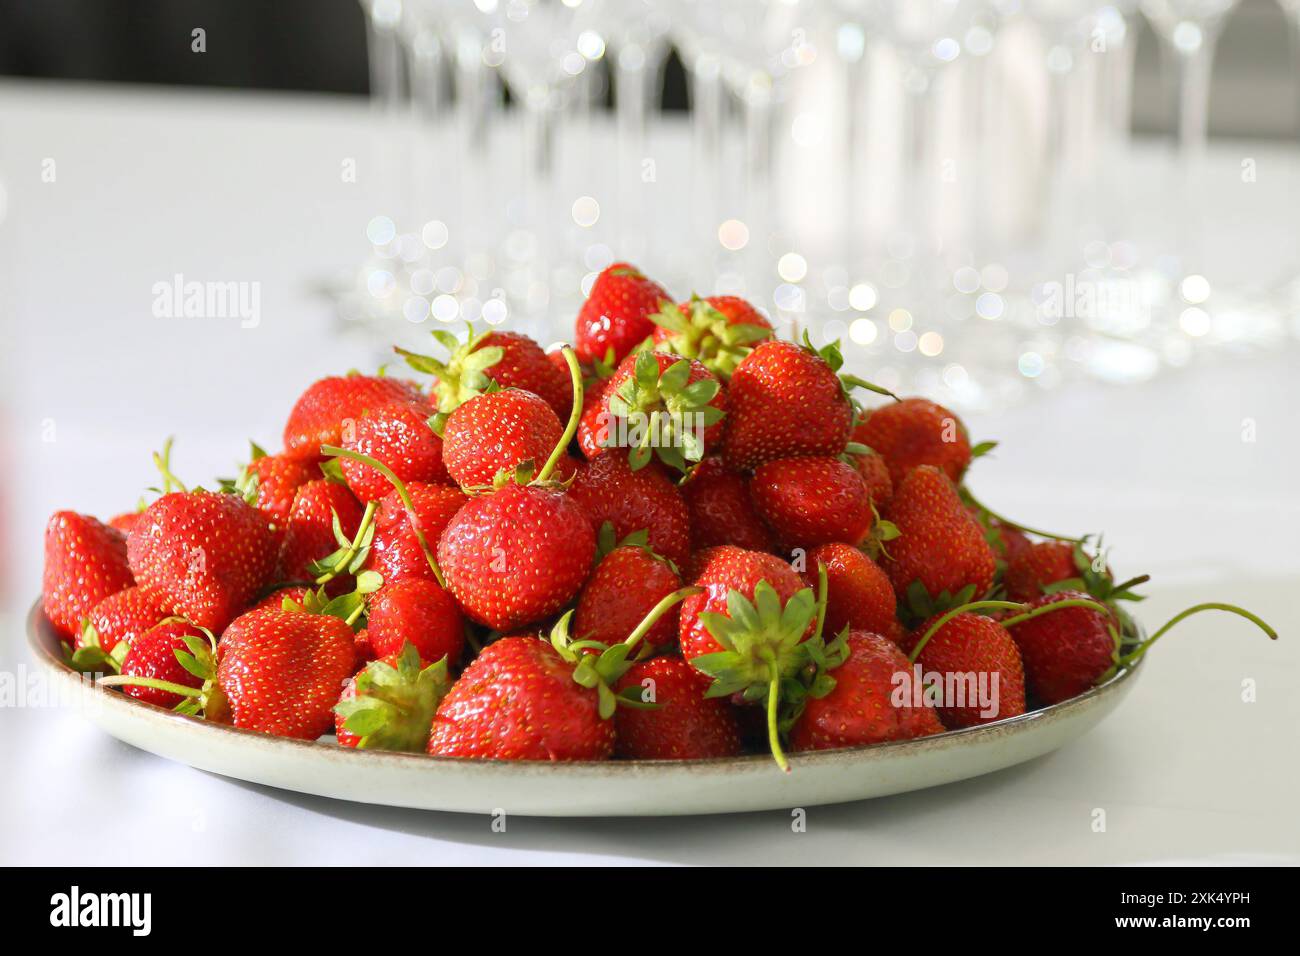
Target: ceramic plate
[615,788]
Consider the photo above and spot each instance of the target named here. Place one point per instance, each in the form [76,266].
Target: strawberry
[125,521]
[153,657]
[683,724]
[309,532]
[940,557]
[506,359]
[626,585]
[607,489]
[1067,651]
[277,479]
[280,672]
[399,436]
[1035,567]
[202,555]
[395,551]
[1007,541]
[518,700]
[915,432]
[295,594]
[812,501]
[721,510]
[980,666]
[616,316]
[516,555]
[85,562]
[859,595]
[660,404]
[390,703]
[319,416]
[418,612]
[496,432]
[875,473]
[744,629]
[785,400]
[361,644]
[854,703]
[718,331]
[116,620]
[593,426]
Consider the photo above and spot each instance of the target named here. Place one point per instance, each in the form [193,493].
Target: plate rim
[41,635]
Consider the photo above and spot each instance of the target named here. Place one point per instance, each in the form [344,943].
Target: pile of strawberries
[681,538]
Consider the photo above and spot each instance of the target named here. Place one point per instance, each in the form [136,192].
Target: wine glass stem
[1194,99]
[385,59]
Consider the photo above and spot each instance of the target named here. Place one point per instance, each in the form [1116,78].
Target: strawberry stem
[1135,655]
[823,586]
[658,611]
[1055,606]
[575,415]
[1015,524]
[773,735]
[128,680]
[960,609]
[163,463]
[346,558]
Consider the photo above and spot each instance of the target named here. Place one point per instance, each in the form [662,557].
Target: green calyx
[200,659]
[921,604]
[90,656]
[607,540]
[245,486]
[662,414]
[464,372]
[349,608]
[703,333]
[351,554]
[1094,577]
[393,706]
[832,355]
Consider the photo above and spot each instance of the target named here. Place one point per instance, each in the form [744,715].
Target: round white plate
[613,788]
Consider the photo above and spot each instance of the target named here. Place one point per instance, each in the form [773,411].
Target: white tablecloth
[226,186]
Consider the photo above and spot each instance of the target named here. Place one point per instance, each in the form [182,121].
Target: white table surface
[224,186]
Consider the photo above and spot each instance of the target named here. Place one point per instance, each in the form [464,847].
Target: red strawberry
[516,555]
[684,724]
[785,400]
[297,593]
[593,427]
[319,415]
[940,544]
[916,432]
[278,479]
[125,521]
[718,331]
[607,489]
[85,562]
[1037,566]
[153,656]
[721,509]
[390,703]
[1007,541]
[497,432]
[280,672]
[361,644]
[309,532]
[812,501]
[875,473]
[518,700]
[1067,651]
[660,404]
[396,435]
[508,359]
[626,585]
[419,612]
[616,315]
[202,555]
[859,708]
[858,592]
[118,618]
[719,571]
[984,679]
[395,551]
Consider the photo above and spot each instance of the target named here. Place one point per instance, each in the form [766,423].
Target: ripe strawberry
[361,644]
[280,672]
[593,426]
[684,724]
[718,331]
[278,478]
[395,551]
[626,585]
[118,619]
[976,656]
[309,531]
[295,593]
[1007,541]
[1035,567]
[720,571]
[941,547]
[509,359]
[1067,651]
[518,700]
[202,555]
[390,703]
[153,656]
[785,400]
[397,435]
[858,592]
[418,612]
[85,562]
[875,473]
[125,521]
[497,432]
[607,489]
[858,707]
[721,510]
[616,315]
[663,405]
[319,415]
[516,555]
[812,501]
[916,432]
